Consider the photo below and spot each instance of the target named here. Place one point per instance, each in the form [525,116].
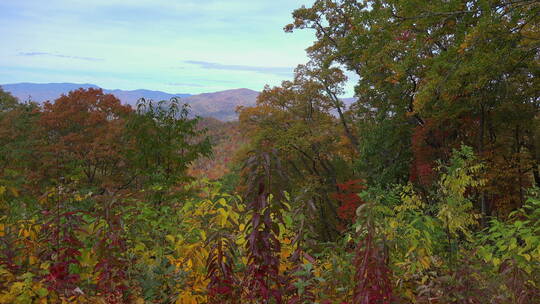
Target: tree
[18,140]
[462,65]
[164,142]
[82,136]
[7,101]
[295,119]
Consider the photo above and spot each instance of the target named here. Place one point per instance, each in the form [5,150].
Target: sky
[175,46]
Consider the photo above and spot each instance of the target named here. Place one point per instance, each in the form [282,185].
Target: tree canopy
[424,189]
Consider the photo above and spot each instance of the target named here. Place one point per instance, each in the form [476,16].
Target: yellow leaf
[409,294]
[240,241]
[222,217]
[32,260]
[425,262]
[186,298]
[170,238]
[410,250]
[18,286]
[189,264]
[285,253]
[203,235]
[222,202]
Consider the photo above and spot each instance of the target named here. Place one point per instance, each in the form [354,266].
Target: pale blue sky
[178,46]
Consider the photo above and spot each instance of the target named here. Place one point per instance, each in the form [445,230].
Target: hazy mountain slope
[219,105]
[226,140]
[131,97]
[41,92]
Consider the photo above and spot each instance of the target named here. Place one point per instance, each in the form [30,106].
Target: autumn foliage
[423,189]
[349,199]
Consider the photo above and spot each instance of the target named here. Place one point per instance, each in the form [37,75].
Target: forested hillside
[424,190]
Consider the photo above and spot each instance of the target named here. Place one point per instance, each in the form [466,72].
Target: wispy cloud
[31,54]
[195,85]
[281,71]
[231,43]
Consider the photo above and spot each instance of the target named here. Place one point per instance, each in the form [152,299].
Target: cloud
[59,56]
[195,85]
[281,71]
[135,44]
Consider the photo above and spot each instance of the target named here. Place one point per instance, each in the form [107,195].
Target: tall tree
[82,136]
[296,120]
[461,65]
[164,142]
[18,140]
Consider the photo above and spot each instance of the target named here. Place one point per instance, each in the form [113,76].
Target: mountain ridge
[220,105]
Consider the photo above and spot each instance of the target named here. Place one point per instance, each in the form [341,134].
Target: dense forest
[424,190]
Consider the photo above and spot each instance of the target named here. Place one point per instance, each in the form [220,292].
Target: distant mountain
[219,105]
[222,105]
[41,92]
[131,97]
